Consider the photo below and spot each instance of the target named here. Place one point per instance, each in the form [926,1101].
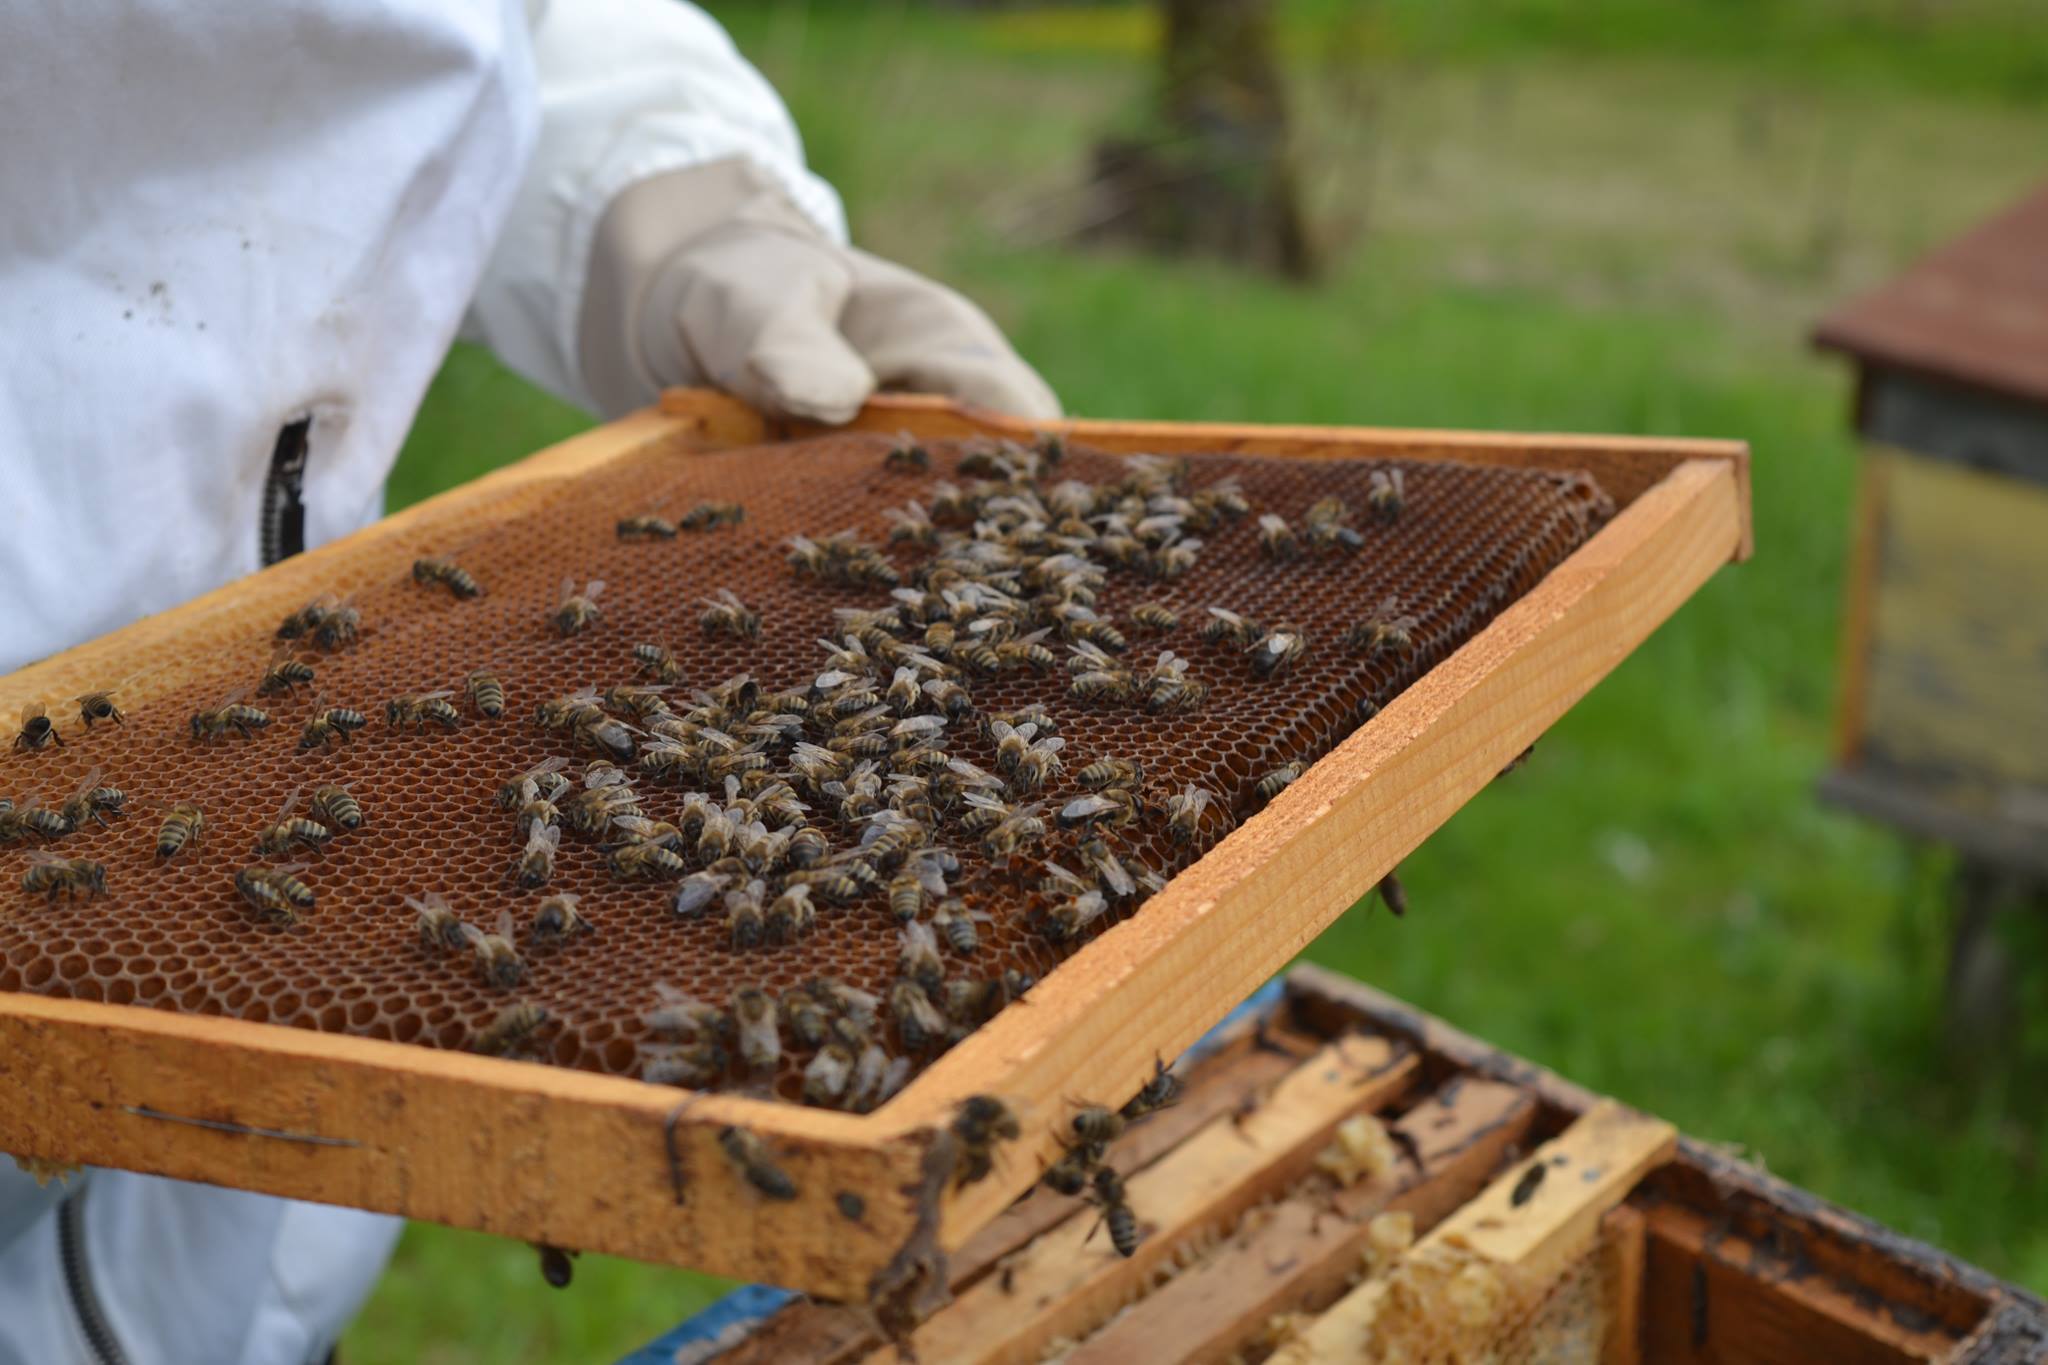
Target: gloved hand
[711,276]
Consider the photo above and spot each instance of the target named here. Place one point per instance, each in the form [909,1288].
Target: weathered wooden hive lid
[1973,311]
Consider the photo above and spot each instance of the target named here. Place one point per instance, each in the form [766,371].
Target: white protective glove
[709,275]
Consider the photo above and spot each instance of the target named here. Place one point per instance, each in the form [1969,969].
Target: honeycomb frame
[1093,1026]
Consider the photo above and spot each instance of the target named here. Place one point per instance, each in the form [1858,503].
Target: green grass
[1548,224]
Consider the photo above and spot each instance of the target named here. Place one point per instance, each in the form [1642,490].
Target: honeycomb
[175,935]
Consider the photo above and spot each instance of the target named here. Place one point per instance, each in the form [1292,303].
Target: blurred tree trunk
[1217,174]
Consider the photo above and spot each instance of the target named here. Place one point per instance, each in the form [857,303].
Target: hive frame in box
[609,1164]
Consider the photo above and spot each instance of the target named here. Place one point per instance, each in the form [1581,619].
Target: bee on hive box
[755,1163]
[99,705]
[183,825]
[275,893]
[512,1031]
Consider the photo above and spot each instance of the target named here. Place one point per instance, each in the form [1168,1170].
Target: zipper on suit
[283,530]
[85,1300]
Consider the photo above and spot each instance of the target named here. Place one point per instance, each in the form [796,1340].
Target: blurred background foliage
[1594,215]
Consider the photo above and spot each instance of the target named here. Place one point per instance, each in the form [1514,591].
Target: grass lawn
[1549,216]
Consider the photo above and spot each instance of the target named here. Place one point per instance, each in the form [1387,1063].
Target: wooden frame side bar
[567,1157]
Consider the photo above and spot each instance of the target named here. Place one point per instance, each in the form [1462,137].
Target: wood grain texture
[540,1153]
[1623,1245]
[1536,1227]
[455,1138]
[1067,1281]
[1237,1073]
[1712,1297]
[1300,1257]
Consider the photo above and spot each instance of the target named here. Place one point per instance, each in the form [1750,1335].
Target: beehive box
[1345,1178]
[150,1030]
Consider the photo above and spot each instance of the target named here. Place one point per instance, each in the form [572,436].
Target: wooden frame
[614,1165]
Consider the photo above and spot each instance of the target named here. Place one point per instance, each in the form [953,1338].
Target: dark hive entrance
[176,936]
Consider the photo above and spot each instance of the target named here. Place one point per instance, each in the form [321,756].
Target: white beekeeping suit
[237,240]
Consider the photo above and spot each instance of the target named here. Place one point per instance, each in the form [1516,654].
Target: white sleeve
[628,89]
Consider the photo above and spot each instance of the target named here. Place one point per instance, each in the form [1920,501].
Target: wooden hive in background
[1512,1218]
[573,1157]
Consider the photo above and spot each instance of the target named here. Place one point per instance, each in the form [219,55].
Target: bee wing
[1049,746]
[919,725]
[92,779]
[1112,870]
[1086,808]
[1063,876]
[472,935]
[987,802]
[543,837]
[592,589]
[290,869]
[505,927]
[635,824]
[930,877]
[291,799]
[42,857]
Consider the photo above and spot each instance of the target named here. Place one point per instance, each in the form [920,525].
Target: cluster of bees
[877,777]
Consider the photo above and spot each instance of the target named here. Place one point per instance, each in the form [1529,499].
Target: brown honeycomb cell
[174,935]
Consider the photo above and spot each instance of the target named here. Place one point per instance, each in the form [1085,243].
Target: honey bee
[683,1016]
[1386,494]
[1394,894]
[557,919]
[1277,781]
[1277,539]
[305,619]
[643,860]
[440,930]
[827,1075]
[695,892]
[659,663]
[760,1036]
[91,801]
[646,526]
[50,875]
[275,893]
[697,1064]
[285,674]
[745,923]
[1223,499]
[641,703]
[591,812]
[955,923]
[751,1155]
[547,781]
[497,960]
[1069,1175]
[287,832]
[1324,526]
[918,957]
[1113,1200]
[578,610]
[231,714]
[1113,806]
[184,823]
[1185,810]
[791,916]
[38,731]
[709,516]
[807,848]
[979,1123]
[536,864]
[329,724]
[1115,879]
[725,614]
[1228,628]
[1277,650]
[512,1030]
[1070,919]
[1095,1126]
[918,1023]
[1022,826]
[1158,1093]
[1387,631]
[98,706]
[911,524]
[416,709]
[486,693]
[448,574]
[907,456]
[339,626]
[30,817]
[1154,617]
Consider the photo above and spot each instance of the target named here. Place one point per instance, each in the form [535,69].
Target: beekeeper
[238,242]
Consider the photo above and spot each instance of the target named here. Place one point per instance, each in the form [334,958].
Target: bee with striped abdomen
[497,959]
[646,526]
[417,709]
[52,875]
[288,832]
[99,705]
[577,611]
[38,731]
[512,1030]
[445,572]
[184,824]
[285,674]
[231,714]
[329,724]
[725,614]
[275,893]
[486,693]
